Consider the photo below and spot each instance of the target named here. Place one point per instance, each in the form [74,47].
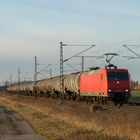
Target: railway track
[125,107]
[133,108]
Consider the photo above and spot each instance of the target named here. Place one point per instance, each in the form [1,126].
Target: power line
[121,41]
[72,67]
[131,50]
[115,43]
[79,52]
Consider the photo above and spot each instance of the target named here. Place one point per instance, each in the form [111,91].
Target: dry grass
[74,121]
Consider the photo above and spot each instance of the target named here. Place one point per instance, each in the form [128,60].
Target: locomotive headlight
[126,90]
[109,90]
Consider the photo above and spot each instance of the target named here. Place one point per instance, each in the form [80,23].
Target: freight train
[99,85]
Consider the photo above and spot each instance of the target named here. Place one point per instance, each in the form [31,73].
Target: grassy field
[135,96]
[74,121]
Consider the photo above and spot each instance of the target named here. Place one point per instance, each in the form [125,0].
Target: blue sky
[35,27]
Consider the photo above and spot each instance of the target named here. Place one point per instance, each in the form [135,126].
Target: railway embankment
[65,120]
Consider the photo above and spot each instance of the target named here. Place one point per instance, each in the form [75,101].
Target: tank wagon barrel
[72,83]
[56,84]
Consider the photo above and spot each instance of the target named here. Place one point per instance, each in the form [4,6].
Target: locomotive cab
[118,85]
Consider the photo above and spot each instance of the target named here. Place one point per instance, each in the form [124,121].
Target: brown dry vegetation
[74,121]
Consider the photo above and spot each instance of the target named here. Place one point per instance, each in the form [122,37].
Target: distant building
[2,88]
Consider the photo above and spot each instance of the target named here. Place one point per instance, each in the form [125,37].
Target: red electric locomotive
[103,83]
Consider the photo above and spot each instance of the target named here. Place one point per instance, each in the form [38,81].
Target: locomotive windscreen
[117,76]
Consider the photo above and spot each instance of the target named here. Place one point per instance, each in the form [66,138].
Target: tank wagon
[98,85]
